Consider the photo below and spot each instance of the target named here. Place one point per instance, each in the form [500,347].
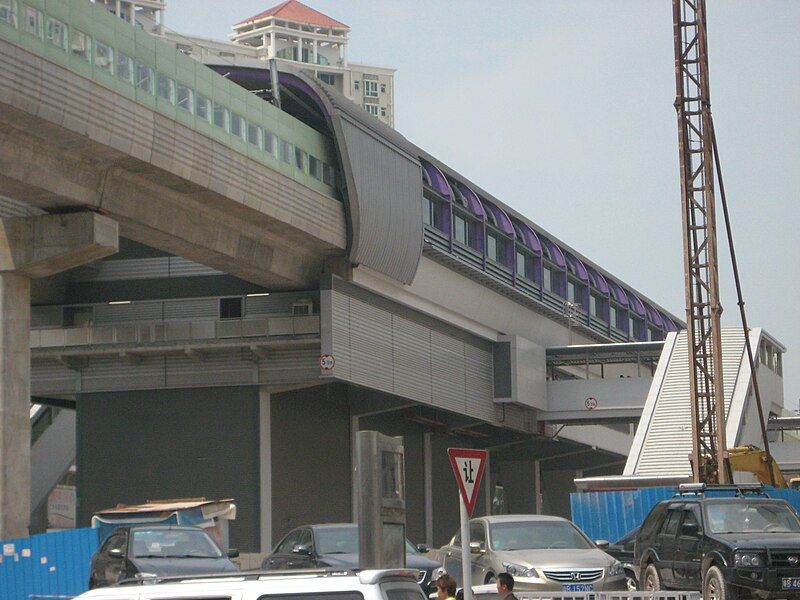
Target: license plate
[790,583]
[577,587]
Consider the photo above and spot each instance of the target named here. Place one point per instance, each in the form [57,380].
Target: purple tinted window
[437,179]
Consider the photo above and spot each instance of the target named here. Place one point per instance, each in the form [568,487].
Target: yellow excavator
[752,459]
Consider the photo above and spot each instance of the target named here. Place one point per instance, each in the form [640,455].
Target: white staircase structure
[663,440]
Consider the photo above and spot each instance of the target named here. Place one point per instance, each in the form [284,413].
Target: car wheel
[716,588]
[630,582]
[652,580]
[490,578]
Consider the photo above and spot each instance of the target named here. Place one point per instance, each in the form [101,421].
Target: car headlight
[616,569]
[748,559]
[519,570]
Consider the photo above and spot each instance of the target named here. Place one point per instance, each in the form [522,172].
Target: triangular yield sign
[468,466]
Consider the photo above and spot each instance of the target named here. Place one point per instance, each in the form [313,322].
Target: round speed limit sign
[327,362]
[591,403]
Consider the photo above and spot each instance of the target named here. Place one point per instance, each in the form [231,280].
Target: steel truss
[703,309]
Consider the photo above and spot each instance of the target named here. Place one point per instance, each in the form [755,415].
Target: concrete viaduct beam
[164,211]
[32,247]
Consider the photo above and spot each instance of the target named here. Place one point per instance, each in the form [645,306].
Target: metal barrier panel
[604,595]
[610,515]
[50,565]
[791,496]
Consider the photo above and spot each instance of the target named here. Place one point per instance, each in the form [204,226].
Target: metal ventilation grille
[668,442]
[574,575]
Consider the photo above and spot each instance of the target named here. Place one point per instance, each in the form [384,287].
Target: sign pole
[466,563]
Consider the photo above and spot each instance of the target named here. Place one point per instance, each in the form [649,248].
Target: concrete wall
[141,445]
[556,488]
[519,485]
[310,458]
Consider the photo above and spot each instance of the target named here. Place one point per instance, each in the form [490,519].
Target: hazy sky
[563,110]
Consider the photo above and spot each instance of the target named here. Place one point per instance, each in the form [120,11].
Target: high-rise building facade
[290,32]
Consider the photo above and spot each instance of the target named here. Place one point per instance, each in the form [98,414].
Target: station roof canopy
[292,10]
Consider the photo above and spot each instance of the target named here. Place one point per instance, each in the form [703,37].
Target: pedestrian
[446,587]
[505,586]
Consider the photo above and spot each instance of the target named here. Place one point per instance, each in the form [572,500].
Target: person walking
[446,587]
[505,586]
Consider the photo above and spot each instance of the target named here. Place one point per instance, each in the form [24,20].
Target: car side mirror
[602,544]
[690,529]
[233,553]
[423,548]
[115,552]
[301,549]
[476,548]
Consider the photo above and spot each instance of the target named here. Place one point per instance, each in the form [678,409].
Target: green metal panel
[99,24]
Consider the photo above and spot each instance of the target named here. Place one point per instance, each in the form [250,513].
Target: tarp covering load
[211,515]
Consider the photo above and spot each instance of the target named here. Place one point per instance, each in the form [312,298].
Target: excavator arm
[751,459]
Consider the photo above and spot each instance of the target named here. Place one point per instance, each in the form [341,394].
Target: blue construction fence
[610,515]
[46,566]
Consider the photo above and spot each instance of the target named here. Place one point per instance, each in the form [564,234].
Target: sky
[564,111]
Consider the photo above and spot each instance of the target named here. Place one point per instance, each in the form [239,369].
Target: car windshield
[536,535]
[751,517]
[173,543]
[343,540]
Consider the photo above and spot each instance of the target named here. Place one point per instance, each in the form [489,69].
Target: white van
[385,584]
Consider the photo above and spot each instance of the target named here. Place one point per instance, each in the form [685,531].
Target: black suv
[727,541]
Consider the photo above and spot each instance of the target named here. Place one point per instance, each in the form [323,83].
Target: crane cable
[740,303]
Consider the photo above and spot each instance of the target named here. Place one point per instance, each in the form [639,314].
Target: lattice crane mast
[703,309]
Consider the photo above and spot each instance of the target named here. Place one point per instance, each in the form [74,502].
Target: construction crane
[703,308]
[699,162]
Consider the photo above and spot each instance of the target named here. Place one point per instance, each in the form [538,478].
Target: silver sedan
[540,552]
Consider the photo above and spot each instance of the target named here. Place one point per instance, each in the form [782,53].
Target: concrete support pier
[32,247]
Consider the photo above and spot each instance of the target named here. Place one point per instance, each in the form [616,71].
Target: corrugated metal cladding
[234,367]
[383,182]
[384,192]
[278,304]
[10,209]
[610,515]
[406,355]
[143,268]
[670,425]
[50,565]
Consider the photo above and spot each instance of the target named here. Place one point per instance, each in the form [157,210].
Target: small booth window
[230,308]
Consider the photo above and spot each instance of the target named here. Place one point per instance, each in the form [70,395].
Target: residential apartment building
[290,32]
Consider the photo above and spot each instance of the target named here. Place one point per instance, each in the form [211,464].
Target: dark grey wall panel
[384,189]
[310,457]
[139,445]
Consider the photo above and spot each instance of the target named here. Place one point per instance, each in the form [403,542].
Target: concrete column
[344,54]
[354,428]
[32,247]
[299,49]
[15,430]
[272,50]
[314,51]
[265,468]
[119,8]
[428,467]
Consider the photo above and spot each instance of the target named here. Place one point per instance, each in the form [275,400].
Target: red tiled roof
[292,10]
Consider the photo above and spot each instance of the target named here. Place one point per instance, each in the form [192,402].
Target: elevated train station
[180,354]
